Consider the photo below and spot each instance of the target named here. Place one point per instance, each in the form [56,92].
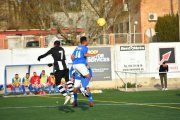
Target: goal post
[21,70]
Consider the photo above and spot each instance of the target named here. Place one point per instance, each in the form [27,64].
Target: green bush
[129,85]
[167,28]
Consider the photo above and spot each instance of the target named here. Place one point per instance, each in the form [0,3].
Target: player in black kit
[60,69]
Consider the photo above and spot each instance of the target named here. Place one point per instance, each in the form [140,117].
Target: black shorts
[59,74]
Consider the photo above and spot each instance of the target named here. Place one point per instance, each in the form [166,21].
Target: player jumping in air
[79,58]
[61,69]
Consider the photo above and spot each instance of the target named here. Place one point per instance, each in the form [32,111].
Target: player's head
[34,73]
[16,75]
[43,72]
[84,40]
[164,63]
[51,74]
[27,75]
[56,43]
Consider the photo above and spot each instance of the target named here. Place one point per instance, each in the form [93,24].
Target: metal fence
[144,81]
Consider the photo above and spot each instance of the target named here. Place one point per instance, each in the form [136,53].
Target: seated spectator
[1,87]
[51,83]
[16,83]
[35,82]
[26,82]
[43,81]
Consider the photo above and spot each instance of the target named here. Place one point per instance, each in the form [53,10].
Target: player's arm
[72,57]
[86,54]
[71,72]
[44,55]
[90,55]
[64,55]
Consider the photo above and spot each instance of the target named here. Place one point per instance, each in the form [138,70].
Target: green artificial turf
[110,105]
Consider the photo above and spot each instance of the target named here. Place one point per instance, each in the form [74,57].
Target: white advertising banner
[160,52]
[131,58]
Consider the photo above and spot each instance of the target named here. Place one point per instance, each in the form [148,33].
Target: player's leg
[43,86]
[62,90]
[30,89]
[19,87]
[82,70]
[23,88]
[90,97]
[14,89]
[69,84]
[50,88]
[84,84]
[77,84]
[55,88]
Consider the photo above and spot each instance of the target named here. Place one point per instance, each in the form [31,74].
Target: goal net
[21,70]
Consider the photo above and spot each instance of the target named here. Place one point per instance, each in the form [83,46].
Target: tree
[167,28]
[65,14]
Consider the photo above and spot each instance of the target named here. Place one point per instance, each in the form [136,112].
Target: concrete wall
[147,78]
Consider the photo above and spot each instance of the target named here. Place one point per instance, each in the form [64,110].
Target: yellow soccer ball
[101,21]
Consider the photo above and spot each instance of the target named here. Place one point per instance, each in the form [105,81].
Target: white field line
[56,106]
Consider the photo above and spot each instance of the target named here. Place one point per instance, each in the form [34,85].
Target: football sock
[62,90]
[70,87]
[75,97]
[90,97]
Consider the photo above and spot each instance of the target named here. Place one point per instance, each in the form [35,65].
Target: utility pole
[129,19]
[179,17]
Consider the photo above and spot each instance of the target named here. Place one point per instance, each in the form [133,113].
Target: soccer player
[16,83]
[83,84]
[1,87]
[61,69]
[26,82]
[35,81]
[43,81]
[52,83]
[79,58]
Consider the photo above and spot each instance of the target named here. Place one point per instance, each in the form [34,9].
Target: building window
[127,24]
[121,29]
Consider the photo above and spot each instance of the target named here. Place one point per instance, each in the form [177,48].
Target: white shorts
[77,83]
[81,69]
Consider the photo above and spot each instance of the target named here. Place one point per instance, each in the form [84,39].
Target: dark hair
[164,62]
[43,70]
[83,39]
[16,74]
[27,73]
[51,73]
[57,43]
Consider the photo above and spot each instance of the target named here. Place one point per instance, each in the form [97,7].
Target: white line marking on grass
[126,104]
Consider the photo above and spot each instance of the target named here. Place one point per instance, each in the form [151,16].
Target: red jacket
[35,80]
